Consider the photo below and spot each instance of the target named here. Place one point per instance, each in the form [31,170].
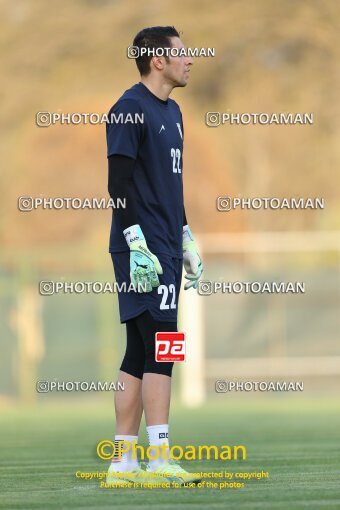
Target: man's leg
[156,385]
[156,395]
[156,390]
[128,404]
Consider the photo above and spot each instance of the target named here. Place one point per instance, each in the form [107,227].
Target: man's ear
[158,63]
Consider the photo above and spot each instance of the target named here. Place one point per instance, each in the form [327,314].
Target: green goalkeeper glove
[191,260]
[144,265]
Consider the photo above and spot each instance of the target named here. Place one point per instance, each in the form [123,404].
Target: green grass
[296,441]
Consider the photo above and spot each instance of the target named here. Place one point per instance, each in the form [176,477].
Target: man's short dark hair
[153,37]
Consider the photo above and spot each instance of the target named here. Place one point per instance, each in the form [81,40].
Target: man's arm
[192,262]
[191,259]
[144,265]
[185,222]
[120,183]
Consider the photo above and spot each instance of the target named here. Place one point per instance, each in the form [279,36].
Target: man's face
[177,69]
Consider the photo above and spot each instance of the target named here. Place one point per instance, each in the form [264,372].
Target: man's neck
[160,90]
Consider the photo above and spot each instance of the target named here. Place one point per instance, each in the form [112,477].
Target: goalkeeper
[150,241]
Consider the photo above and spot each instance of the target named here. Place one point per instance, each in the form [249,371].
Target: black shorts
[161,302]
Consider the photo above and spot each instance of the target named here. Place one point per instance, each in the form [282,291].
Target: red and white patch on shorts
[170,346]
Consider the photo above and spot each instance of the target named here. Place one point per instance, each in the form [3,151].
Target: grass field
[296,441]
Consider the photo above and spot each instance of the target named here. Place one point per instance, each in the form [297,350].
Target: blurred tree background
[271,56]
